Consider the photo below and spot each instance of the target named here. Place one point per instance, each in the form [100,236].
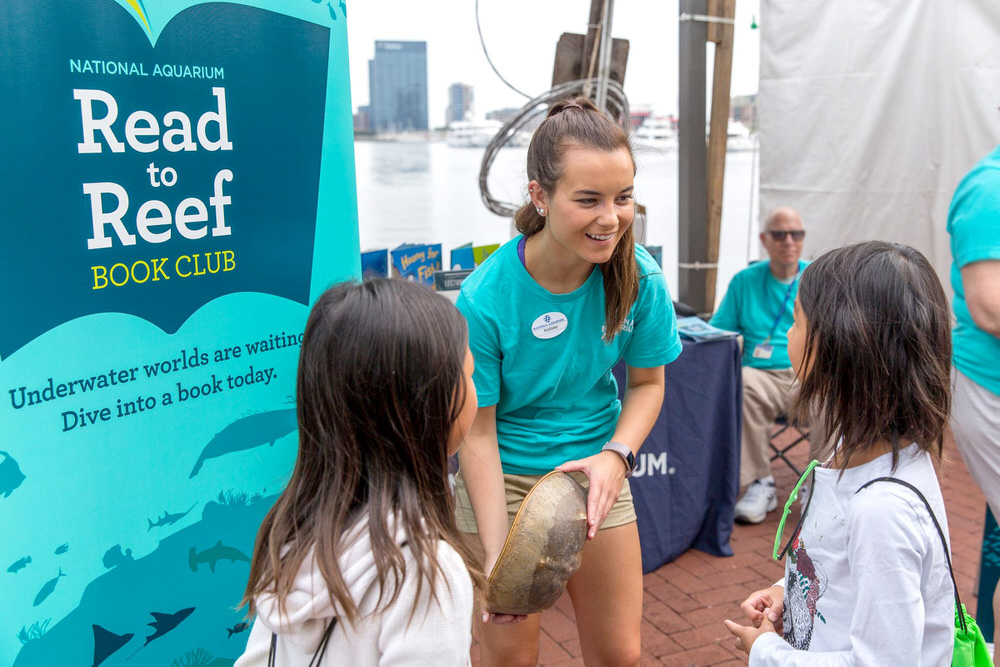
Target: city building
[743,109]
[459,102]
[397,81]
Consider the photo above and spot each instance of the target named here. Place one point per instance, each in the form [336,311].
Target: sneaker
[759,499]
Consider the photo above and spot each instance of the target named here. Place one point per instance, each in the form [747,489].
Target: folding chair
[800,434]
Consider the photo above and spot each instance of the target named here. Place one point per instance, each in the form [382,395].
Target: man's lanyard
[784,303]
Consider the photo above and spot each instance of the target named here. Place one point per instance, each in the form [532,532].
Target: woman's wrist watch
[624,451]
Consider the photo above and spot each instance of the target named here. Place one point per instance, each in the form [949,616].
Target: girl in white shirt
[866,576]
[360,562]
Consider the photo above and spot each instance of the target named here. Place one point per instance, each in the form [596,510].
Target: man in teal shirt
[759,304]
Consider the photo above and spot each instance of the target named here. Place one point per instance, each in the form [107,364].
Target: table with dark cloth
[687,473]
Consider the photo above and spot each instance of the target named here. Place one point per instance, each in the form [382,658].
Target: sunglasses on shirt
[780,234]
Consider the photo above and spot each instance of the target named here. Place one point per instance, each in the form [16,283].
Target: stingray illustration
[238,628]
[114,556]
[168,519]
[10,475]
[62,548]
[247,433]
[47,589]
[106,643]
[19,565]
[163,624]
[213,555]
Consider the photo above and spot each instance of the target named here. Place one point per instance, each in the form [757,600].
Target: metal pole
[692,219]
[604,56]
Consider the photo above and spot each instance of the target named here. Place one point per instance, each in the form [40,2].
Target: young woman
[550,314]
[866,577]
[359,561]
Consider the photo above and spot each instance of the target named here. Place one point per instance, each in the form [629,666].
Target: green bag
[970,646]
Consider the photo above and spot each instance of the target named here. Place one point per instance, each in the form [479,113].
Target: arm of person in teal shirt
[727,317]
[981,281]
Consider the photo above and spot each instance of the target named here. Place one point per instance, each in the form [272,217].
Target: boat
[738,138]
[656,132]
[472,133]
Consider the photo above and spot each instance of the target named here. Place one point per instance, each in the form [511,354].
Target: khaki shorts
[518,486]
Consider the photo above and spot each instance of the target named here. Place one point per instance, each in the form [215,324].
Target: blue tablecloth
[687,472]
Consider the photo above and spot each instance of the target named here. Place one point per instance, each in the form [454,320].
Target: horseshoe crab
[543,547]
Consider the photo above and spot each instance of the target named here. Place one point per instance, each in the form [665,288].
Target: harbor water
[428,192]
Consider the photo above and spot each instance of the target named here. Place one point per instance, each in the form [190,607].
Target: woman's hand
[606,472]
[768,603]
[498,619]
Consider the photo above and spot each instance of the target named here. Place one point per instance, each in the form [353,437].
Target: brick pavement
[686,600]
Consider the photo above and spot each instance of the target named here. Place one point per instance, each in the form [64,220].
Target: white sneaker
[759,499]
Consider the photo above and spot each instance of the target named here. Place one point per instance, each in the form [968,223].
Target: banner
[176,187]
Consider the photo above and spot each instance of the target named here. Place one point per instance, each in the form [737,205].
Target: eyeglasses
[780,234]
[778,555]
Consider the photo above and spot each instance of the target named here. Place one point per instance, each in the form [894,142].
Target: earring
[541,211]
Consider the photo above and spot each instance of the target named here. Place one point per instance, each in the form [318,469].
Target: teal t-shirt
[541,360]
[974,226]
[754,300]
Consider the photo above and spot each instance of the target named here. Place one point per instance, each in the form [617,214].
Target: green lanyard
[778,555]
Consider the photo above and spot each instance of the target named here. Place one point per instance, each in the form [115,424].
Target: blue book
[375,263]
[700,331]
[417,262]
[462,258]
[656,251]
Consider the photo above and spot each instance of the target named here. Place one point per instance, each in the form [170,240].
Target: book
[700,331]
[417,262]
[462,258]
[375,263]
[448,283]
[656,251]
[481,252]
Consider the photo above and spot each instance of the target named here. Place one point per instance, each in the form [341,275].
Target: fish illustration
[62,548]
[47,589]
[168,519]
[114,556]
[343,7]
[247,433]
[106,643]
[163,624]
[333,13]
[238,628]
[10,475]
[213,555]
[19,565]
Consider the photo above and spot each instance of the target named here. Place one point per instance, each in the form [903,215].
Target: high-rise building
[459,102]
[397,80]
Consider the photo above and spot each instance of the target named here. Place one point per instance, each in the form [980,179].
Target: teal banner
[176,187]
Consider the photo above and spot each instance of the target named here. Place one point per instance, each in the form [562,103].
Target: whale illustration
[10,475]
[168,519]
[213,555]
[264,428]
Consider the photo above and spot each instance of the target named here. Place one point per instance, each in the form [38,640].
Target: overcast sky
[521,37]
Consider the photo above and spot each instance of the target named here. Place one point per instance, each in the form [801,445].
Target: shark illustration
[247,433]
[10,475]
[106,643]
[19,565]
[213,555]
[168,519]
[163,624]
[62,548]
[47,589]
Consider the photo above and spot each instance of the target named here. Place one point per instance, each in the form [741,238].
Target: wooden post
[722,35]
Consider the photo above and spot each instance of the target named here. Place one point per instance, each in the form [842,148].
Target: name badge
[763,351]
[549,325]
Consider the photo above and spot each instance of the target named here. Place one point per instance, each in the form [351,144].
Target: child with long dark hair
[359,562]
[550,314]
[867,578]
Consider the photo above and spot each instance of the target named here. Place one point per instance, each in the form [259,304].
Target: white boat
[472,133]
[738,138]
[656,132]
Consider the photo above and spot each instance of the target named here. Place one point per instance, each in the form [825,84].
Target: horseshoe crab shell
[543,547]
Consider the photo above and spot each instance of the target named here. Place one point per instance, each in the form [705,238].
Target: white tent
[871,111]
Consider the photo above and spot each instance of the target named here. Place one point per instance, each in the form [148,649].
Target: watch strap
[624,451]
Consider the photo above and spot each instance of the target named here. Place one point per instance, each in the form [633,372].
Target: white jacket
[439,633]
